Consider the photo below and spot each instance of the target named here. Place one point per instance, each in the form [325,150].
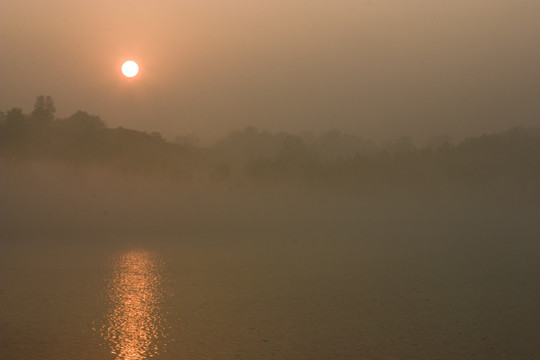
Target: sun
[130,68]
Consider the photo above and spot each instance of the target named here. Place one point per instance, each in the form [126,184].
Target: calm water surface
[135,326]
[281,299]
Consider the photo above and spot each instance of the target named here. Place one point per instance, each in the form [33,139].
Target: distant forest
[251,156]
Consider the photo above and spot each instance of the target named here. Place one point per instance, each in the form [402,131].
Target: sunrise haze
[378,69]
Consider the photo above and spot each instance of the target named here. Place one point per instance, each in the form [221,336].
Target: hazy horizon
[306,179]
[377,69]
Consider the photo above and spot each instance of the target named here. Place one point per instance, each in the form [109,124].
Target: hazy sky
[377,68]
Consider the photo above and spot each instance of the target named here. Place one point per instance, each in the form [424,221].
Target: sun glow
[130,68]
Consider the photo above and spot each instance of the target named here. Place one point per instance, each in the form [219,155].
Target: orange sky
[377,68]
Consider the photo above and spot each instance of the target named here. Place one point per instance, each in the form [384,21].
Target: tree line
[331,159]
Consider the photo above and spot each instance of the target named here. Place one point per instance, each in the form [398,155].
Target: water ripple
[134,328]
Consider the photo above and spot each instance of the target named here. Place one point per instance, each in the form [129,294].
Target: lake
[283,297]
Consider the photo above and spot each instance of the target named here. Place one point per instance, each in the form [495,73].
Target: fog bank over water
[107,264]
[77,173]
[294,179]
[116,242]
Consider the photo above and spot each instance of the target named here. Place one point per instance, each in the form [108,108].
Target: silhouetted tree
[44,110]
[332,159]
[334,144]
[15,130]
[13,117]
[439,142]
[188,140]
[82,122]
[403,144]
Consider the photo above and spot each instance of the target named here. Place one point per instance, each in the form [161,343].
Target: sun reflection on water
[134,327]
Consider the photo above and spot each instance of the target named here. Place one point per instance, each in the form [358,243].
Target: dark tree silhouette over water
[44,110]
[333,159]
[350,241]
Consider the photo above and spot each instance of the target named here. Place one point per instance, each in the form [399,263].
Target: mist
[267,243]
[282,180]
[377,69]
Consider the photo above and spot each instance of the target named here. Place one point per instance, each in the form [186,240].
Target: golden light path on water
[134,328]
